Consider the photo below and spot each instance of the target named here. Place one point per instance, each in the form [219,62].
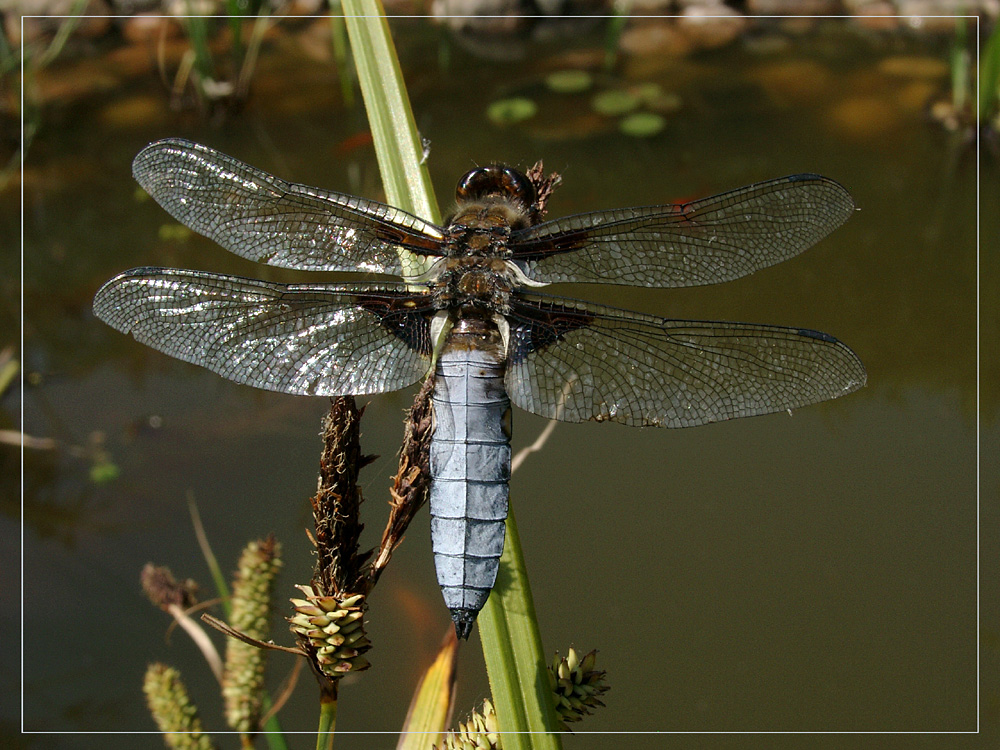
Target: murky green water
[813,572]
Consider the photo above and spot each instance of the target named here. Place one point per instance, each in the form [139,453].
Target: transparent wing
[687,244]
[313,339]
[579,362]
[258,216]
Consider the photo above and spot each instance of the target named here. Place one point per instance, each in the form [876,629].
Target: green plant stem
[327,721]
[989,77]
[249,58]
[613,33]
[197,30]
[338,44]
[959,66]
[233,13]
[398,146]
[63,33]
[272,727]
[8,371]
[218,577]
[511,643]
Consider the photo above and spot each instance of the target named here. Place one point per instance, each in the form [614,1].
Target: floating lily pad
[569,81]
[642,124]
[104,472]
[649,91]
[509,111]
[614,102]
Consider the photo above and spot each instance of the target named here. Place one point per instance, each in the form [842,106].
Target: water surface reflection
[813,572]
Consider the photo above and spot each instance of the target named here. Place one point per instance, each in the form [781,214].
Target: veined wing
[686,244]
[579,362]
[261,217]
[312,339]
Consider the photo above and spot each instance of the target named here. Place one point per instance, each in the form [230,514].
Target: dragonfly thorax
[483,227]
[476,282]
[479,238]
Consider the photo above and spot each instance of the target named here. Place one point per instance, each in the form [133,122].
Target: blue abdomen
[470,469]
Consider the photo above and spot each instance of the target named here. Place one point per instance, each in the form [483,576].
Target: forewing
[703,242]
[261,217]
[579,362]
[310,339]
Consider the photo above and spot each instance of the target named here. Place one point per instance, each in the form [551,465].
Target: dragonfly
[467,309]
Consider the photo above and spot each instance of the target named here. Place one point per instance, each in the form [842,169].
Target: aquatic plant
[33,58]
[218,86]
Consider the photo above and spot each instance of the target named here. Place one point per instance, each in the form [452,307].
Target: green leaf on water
[173,233]
[101,473]
[642,124]
[510,111]
[569,81]
[614,102]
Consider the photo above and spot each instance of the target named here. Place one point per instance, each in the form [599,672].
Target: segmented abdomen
[470,468]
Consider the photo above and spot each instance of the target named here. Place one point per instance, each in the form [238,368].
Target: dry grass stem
[176,598]
[225,629]
[412,481]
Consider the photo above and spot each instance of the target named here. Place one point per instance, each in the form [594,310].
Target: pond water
[812,572]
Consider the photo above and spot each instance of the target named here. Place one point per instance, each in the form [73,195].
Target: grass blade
[512,646]
[430,710]
[398,145]
[989,77]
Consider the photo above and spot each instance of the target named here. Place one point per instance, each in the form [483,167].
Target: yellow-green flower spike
[577,686]
[243,677]
[331,630]
[172,709]
[480,732]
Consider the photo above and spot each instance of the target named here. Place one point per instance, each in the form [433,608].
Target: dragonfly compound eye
[498,181]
